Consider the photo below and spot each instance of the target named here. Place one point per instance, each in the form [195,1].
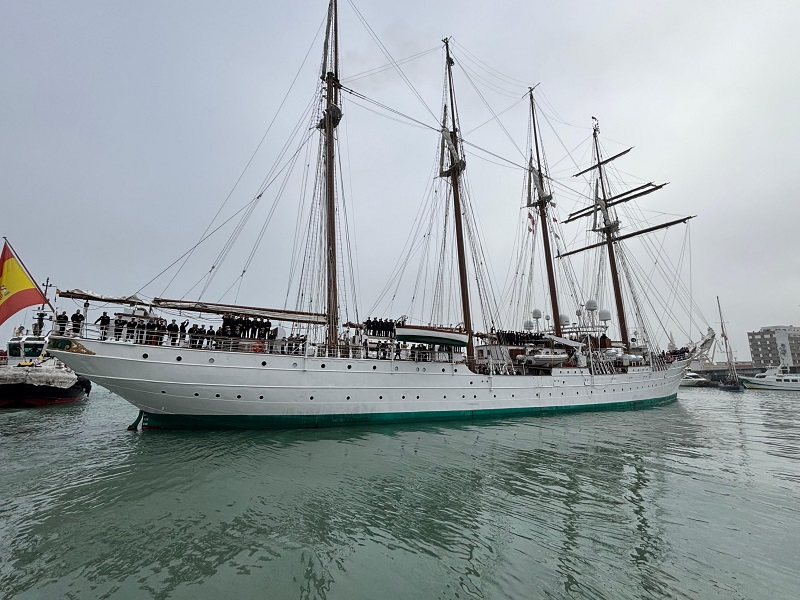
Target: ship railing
[293,345]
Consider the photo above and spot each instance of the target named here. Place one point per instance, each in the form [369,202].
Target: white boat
[778,378]
[29,377]
[326,372]
[692,379]
[431,335]
[544,357]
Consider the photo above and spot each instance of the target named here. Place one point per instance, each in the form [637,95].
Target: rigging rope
[252,157]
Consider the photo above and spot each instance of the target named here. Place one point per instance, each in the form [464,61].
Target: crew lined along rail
[272,344]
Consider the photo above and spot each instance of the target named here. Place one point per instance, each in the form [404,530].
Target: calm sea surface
[698,499]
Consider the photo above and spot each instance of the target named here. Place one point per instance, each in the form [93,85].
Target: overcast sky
[125,125]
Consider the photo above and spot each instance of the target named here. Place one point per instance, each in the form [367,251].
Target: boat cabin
[26,346]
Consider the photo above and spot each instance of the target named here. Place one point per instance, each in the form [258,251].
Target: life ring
[258,347]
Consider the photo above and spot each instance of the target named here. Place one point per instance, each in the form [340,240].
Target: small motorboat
[780,378]
[692,379]
[544,357]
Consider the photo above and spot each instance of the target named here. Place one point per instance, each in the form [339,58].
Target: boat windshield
[33,349]
[14,347]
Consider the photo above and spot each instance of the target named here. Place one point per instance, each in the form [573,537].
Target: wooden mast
[330,121]
[454,171]
[728,354]
[542,203]
[609,229]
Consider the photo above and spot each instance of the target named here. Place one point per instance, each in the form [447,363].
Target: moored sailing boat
[329,372]
[731,381]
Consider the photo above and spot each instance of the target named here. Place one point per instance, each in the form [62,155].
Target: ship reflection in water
[685,500]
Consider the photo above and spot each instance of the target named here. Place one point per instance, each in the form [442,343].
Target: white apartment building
[770,346]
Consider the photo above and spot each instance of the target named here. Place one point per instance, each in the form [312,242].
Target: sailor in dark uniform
[104,320]
[119,324]
[62,321]
[211,335]
[173,330]
[76,319]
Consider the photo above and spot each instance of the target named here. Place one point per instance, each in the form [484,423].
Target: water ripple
[694,499]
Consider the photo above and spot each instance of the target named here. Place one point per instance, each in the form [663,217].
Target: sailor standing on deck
[182,330]
[76,319]
[62,321]
[104,321]
[119,325]
[173,330]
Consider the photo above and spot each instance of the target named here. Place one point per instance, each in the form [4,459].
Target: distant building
[772,345]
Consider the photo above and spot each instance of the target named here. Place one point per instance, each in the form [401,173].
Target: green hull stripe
[152,420]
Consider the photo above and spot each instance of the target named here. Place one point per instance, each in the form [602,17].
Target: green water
[696,499]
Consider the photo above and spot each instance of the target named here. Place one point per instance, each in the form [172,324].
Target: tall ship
[320,363]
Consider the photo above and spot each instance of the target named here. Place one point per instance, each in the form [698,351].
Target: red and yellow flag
[17,289]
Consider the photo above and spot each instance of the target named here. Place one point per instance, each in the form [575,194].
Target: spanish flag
[17,289]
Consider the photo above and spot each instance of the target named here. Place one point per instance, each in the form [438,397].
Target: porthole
[396,368]
[463,396]
[163,392]
[374,367]
[455,370]
[238,396]
[349,366]
[261,397]
[474,396]
[417,397]
[178,358]
[216,395]
[404,397]
[211,361]
[470,383]
[145,355]
[348,397]
[196,394]
[417,369]
[442,370]
[294,365]
[311,398]
[323,365]
[380,397]
[263,363]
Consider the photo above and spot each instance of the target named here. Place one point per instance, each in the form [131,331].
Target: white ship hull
[185,387]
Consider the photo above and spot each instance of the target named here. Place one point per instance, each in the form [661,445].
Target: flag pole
[28,273]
